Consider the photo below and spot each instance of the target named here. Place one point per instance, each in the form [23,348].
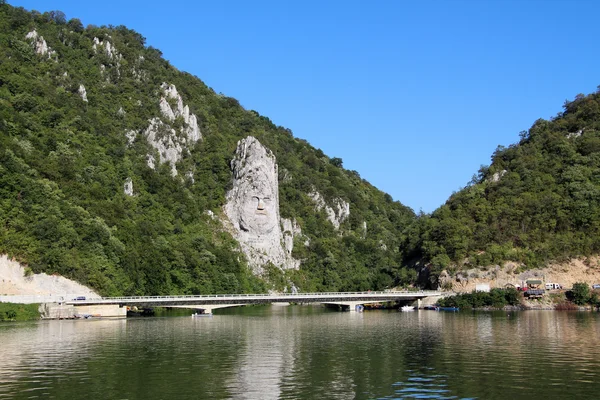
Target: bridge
[117,306]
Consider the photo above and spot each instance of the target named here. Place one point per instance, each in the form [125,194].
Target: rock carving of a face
[253,202]
[258,214]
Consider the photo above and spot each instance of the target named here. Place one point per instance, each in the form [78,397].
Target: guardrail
[86,299]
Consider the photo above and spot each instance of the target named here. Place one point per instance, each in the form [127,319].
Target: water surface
[306,352]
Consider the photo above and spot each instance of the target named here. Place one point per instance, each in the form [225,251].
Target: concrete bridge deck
[327,297]
[349,300]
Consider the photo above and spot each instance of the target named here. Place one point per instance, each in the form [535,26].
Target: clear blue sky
[414,95]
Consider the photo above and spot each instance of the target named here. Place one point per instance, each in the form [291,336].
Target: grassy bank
[18,312]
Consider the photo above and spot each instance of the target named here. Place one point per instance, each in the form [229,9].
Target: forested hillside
[83,194]
[538,201]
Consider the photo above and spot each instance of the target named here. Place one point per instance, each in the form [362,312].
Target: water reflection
[306,353]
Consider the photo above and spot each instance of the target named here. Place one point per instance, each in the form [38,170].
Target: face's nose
[261,205]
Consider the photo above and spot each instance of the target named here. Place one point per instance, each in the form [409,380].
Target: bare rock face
[577,134]
[290,230]
[337,213]
[128,187]
[138,73]
[15,281]
[111,52]
[130,135]
[191,129]
[82,93]
[165,140]
[169,143]
[39,44]
[497,176]
[252,206]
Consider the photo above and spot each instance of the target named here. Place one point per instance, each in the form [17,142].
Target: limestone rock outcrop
[82,92]
[137,72]
[191,129]
[128,187]
[290,229]
[111,52]
[252,206]
[130,135]
[39,44]
[165,140]
[169,143]
[337,213]
[497,176]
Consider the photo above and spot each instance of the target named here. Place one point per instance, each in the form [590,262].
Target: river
[306,352]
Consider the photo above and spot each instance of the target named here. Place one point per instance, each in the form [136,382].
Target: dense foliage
[496,298]
[63,162]
[19,312]
[538,201]
[581,294]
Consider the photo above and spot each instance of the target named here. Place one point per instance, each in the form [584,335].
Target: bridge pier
[351,306]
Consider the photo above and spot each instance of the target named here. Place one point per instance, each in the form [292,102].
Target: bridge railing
[74,298]
[266,295]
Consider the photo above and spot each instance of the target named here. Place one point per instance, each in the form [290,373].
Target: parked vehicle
[553,286]
[596,286]
[482,287]
[533,288]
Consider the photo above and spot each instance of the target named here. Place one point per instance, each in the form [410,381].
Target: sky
[414,95]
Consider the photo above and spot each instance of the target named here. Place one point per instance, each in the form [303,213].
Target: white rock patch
[290,230]
[128,187]
[130,135]
[82,93]
[337,213]
[169,143]
[111,51]
[39,44]
[14,282]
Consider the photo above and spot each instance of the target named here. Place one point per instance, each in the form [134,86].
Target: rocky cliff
[253,208]
[170,144]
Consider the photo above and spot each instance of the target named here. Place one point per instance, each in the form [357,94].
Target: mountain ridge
[102,182]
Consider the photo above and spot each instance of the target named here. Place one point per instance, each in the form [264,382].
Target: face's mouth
[261,212]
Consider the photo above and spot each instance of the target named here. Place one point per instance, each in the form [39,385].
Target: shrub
[580,294]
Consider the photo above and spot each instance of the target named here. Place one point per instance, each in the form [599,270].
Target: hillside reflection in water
[302,352]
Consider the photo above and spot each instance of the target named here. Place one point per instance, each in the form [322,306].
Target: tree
[75,25]
[580,294]
[58,16]
[337,162]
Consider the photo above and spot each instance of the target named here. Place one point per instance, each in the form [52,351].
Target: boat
[199,314]
[448,308]
[407,308]
[432,308]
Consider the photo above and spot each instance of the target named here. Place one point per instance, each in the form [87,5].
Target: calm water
[306,353]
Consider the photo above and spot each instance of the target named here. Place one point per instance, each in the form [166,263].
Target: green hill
[538,201]
[75,106]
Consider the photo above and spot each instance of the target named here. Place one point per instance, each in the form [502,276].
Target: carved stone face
[258,203]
